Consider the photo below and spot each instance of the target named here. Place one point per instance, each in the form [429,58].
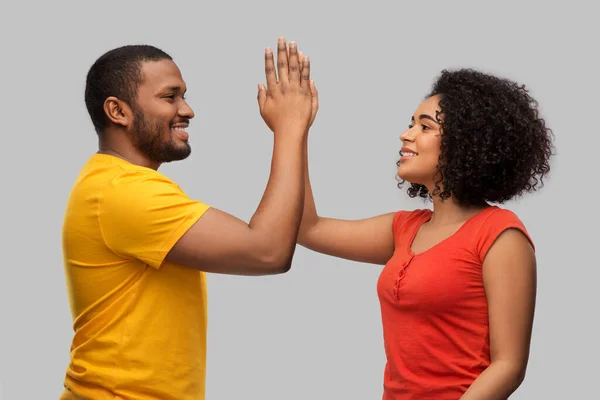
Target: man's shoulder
[116,184]
[139,183]
[108,174]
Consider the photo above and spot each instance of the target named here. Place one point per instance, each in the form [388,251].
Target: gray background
[314,333]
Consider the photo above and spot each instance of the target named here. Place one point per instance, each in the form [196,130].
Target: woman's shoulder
[497,215]
[412,214]
[404,218]
[492,222]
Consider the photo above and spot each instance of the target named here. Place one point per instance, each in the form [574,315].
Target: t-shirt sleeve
[143,214]
[496,223]
[399,218]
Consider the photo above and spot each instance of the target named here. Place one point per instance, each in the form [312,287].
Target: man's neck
[118,145]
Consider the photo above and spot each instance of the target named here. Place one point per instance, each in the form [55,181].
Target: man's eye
[410,126]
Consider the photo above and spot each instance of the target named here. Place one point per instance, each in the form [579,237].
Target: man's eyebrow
[173,88]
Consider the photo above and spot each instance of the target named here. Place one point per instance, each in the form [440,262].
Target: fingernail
[268,50]
[293,44]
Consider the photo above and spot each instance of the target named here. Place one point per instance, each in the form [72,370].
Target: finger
[270,68]
[305,76]
[288,55]
[300,59]
[261,97]
[313,90]
[282,61]
[294,67]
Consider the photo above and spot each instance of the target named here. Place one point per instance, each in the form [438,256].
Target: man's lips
[180,131]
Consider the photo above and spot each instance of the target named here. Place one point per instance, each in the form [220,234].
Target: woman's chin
[414,175]
[408,179]
[401,173]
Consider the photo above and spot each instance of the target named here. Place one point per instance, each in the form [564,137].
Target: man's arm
[221,243]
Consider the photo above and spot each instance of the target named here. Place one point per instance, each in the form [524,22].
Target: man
[136,247]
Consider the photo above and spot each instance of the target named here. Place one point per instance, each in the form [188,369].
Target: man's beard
[148,137]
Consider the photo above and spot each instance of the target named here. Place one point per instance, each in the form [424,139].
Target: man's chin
[177,153]
[178,156]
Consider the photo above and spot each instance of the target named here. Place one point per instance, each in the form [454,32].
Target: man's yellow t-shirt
[139,321]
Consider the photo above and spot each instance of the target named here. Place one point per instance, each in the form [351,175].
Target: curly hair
[494,144]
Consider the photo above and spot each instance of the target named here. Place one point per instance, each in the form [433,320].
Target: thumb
[315,101]
[314,95]
[261,96]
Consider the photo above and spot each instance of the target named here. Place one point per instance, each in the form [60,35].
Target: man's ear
[118,112]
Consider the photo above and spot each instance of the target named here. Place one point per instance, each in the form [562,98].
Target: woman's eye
[425,127]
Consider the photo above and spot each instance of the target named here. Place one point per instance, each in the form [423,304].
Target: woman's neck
[449,211]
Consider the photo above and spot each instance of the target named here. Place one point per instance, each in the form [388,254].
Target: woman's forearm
[309,214]
[497,382]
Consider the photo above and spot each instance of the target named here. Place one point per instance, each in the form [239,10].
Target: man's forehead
[161,73]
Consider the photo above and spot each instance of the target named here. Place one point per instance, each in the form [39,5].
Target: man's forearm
[278,215]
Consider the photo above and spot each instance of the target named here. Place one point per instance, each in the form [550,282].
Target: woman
[457,290]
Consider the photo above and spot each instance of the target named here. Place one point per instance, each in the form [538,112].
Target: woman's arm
[509,278]
[369,240]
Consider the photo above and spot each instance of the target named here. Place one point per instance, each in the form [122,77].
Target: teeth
[408,154]
[178,128]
